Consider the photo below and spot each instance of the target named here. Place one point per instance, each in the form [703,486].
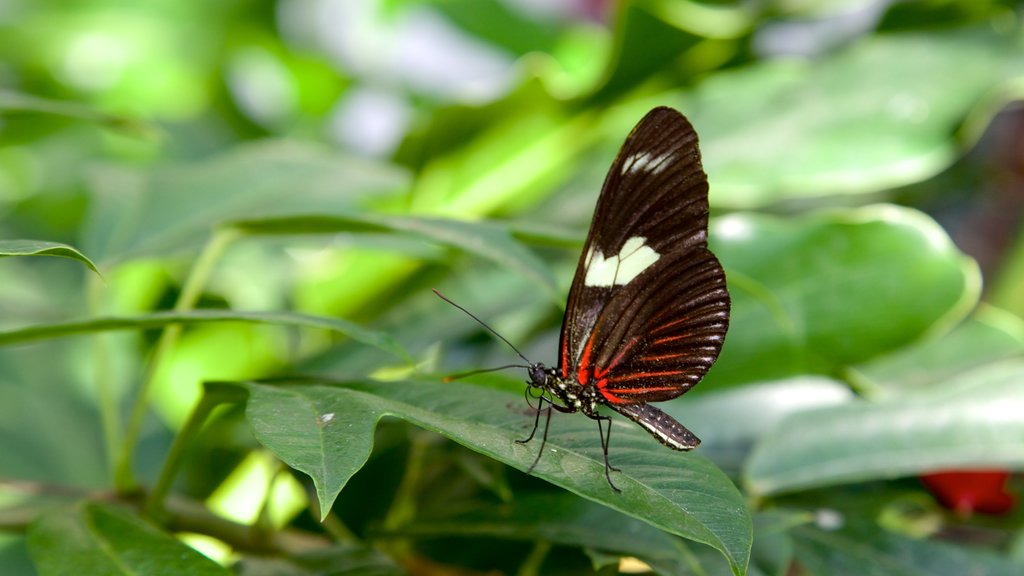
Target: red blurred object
[971,491]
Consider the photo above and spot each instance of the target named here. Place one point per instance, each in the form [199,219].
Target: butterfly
[648,310]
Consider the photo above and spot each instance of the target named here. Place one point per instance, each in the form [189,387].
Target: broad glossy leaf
[817,293]
[161,319]
[174,209]
[970,422]
[43,248]
[990,335]
[93,539]
[327,432]
[881,553]
[731,420]
[878,114]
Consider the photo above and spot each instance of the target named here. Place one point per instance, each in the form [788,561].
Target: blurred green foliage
[269,189]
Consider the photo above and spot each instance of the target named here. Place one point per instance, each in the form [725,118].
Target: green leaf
[970,422]
[338,560]
[879,114]
[327,432]
[17,102]
[751,411]
[990,335]
[818,293]
[175,208]
[161,319]
[881,553]
[43,248]
[565,520]
[484,239]
[102,540]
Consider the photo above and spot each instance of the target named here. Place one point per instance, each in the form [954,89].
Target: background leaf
[96,539]
[43,248]
[968,422]
[824,291]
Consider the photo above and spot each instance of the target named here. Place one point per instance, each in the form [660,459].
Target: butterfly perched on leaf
[648,309]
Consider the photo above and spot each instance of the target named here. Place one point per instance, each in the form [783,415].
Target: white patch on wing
[620,269]
[646,162]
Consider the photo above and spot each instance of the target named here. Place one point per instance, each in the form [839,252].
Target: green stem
[106,397]
[124,479]
[535,559]
[403,506]
[214,394]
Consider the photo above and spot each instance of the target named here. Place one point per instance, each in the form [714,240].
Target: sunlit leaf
[817,293]
[487,240]
[878,114]
[176,208]
[94,539]
[18,102]
[990,335]
[972,421]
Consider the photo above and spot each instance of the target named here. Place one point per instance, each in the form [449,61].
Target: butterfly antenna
[484,324]
[461,375]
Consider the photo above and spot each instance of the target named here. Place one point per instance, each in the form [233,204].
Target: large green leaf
[327,432]
[990,335]
[971,422]
[730,421]
[94,539]
[879,553]
[44,248]
[175,208]
[879,114]
[821,292]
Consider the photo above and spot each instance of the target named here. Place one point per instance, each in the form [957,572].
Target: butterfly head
[540,375]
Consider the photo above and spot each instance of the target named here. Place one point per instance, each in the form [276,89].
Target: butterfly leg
[536,420]
[606,438]
[544,437]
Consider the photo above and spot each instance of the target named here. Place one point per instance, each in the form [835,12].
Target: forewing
[653,208]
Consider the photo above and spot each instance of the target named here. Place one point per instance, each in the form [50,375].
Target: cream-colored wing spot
[620,269]
[646,162]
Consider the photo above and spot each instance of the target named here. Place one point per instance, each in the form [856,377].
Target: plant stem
[533,562]
[403,507]
[107,400]
[124,479]
[214,394]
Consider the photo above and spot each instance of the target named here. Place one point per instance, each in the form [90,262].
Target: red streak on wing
[665,356]
[670,324]
[641,375]
[602,387]
[565,358]
[600,372]
[614,397]
[583,373]
[671,338]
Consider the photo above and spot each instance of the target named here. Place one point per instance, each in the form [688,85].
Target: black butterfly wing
[648,309]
